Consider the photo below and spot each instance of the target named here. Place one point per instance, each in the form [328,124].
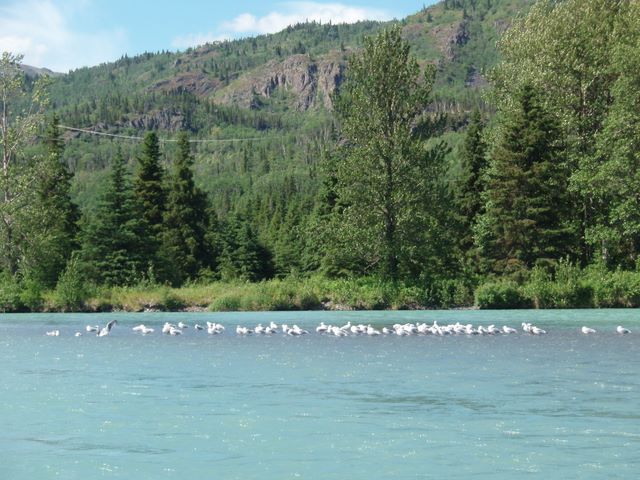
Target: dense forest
[479,152]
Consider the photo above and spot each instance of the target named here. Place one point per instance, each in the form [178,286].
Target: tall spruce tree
[150,198]
[526,200]
[468,195]
[184,243]
[113,240]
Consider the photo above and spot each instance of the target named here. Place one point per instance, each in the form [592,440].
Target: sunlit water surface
[564,405]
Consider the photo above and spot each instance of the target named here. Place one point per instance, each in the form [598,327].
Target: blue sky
[68,34]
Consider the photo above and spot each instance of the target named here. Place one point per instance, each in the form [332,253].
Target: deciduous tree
[20,115]
[383,174]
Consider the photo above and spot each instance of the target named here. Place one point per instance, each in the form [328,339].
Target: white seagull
[622,331]
[166,328]
[243,330]
[587,330]
[105,330]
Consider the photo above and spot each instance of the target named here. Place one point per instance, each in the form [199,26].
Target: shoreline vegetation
[569,287]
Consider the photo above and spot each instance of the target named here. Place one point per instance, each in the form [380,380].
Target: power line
[166,140]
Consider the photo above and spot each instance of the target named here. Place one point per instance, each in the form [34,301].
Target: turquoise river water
[558,406]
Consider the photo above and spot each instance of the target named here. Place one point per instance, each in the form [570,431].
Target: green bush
[10,300]
[31,295]
[570,289]
[539,288]
[307,300]
[573,295]
[72,290]
[170,301]
[448,293]
[501,295]
[227,303]
[362,293]
[614,289]
[257,301]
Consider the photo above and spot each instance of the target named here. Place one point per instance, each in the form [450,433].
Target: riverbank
[292,293]
[272,295]
[570,287]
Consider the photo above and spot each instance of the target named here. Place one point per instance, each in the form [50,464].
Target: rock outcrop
[449,37]
[199,84]
[310,83]
[159,120]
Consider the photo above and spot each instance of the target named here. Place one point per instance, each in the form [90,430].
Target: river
[127,406]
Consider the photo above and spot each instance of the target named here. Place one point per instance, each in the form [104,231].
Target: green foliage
[449,293]
[54,221]
[150,199]
[185,221]
[226,303]
[500,295]
[470,186]
[10,300]
[72,289]
[614,289]
[113,239]
[273,181]
[32,294]
[243,256]
[615,178]
[170,301]
[21,110]
[383,171]
[526,196]
[566,49]
[566,288]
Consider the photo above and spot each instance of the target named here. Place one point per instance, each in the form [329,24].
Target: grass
[274,295]
[568,287]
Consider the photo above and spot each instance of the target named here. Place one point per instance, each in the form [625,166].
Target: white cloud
[290,14]
[194,39]
[40,30]
[298,12]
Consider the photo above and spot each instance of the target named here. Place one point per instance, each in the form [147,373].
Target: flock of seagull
[405,329]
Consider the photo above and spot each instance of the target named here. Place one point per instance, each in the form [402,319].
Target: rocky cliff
[308,81]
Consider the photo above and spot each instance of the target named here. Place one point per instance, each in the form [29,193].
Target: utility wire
[165,140]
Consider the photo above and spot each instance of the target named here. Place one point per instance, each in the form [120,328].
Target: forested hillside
[275,89]
[467,148]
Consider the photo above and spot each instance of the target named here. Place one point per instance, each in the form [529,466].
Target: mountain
[301,66]
[275,90]
[33,72]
